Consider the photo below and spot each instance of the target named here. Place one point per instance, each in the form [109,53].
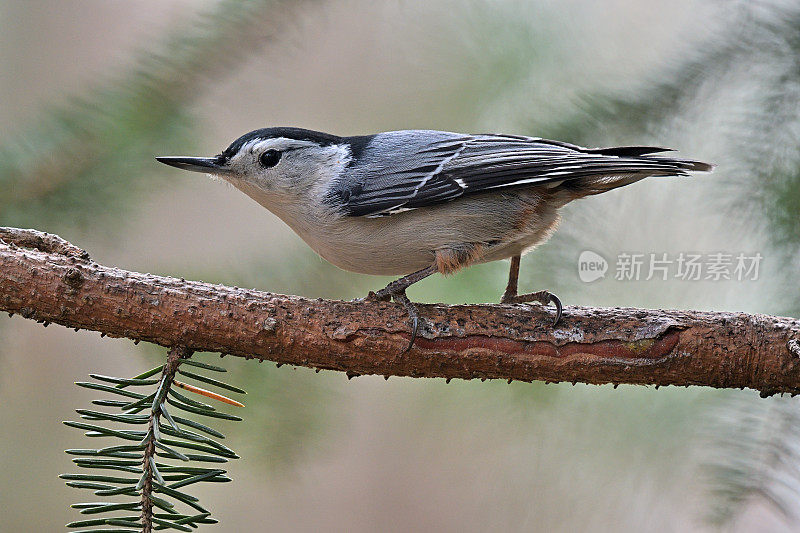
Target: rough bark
[47,279]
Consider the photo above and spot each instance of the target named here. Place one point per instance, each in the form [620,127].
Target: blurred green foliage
[753,452]
[762,141]
[87,158]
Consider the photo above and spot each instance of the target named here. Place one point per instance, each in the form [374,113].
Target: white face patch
[301,165]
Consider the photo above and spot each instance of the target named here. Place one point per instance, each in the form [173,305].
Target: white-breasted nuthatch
[417,202]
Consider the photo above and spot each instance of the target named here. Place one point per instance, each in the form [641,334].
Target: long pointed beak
[207,165]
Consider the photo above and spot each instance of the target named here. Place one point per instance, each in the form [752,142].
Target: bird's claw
[399,297]
[379,296]
[413,316]
[543,297]
[559,308]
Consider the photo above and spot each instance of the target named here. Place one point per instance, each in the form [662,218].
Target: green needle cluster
[162,452]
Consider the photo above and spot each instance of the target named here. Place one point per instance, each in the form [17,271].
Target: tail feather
[686,164]
[627,151]
[600,182]
[643,153]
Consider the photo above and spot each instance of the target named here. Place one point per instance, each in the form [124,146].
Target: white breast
[505,225]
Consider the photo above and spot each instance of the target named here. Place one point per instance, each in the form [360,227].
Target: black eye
[269,158]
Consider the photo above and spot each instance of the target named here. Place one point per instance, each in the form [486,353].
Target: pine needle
[207,393]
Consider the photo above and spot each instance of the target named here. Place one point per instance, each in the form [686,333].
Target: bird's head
[273,164]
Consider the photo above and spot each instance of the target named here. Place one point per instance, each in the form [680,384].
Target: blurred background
[92,90]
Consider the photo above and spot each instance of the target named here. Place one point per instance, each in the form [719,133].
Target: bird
[413,203]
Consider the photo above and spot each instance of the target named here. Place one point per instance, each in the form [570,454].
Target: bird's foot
[543,297]
[413,316]
[379,296]
[399,296]
[396,291]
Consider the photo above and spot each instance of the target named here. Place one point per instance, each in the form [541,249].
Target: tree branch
[50,280]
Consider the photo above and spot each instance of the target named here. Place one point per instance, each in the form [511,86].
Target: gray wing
[394,168]
[405,170]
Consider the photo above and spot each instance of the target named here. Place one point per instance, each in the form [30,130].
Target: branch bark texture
[47,279]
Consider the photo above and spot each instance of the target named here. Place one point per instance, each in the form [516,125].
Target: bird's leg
[399,286]
[510,296]
[397,290]
[513,279]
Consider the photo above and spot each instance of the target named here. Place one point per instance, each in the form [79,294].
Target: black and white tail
[624,165]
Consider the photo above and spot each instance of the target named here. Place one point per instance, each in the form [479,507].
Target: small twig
[44,242]
[174,359]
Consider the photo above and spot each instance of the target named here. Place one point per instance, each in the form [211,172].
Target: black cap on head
[299,134]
